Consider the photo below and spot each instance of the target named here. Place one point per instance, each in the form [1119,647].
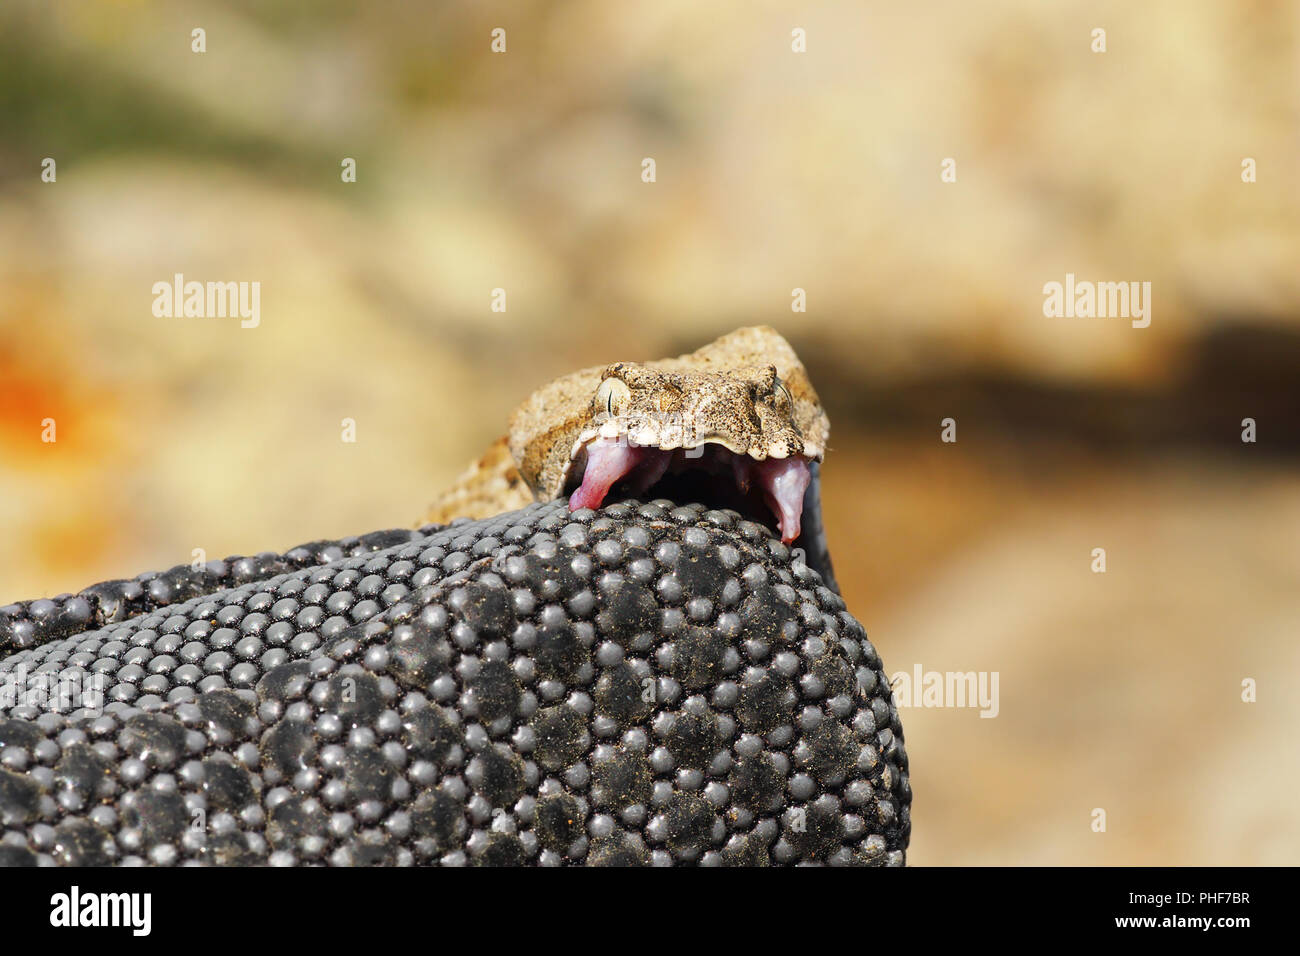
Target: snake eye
[612,396]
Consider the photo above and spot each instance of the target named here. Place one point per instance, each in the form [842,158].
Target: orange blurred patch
[25,401]
[31,397]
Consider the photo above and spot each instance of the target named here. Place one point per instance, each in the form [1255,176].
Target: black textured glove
[644,684]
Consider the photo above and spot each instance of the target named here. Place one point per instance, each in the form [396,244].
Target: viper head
[735,423]
[737,427]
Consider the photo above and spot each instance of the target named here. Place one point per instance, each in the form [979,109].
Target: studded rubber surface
[645,684]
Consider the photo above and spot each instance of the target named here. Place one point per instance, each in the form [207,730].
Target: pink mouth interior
[782,481]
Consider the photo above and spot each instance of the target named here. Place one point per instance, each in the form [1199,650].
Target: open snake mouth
[710,473]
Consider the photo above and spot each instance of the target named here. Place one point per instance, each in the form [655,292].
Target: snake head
[736,424]
[733,426]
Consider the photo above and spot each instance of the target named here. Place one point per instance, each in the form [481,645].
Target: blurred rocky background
[775,170]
